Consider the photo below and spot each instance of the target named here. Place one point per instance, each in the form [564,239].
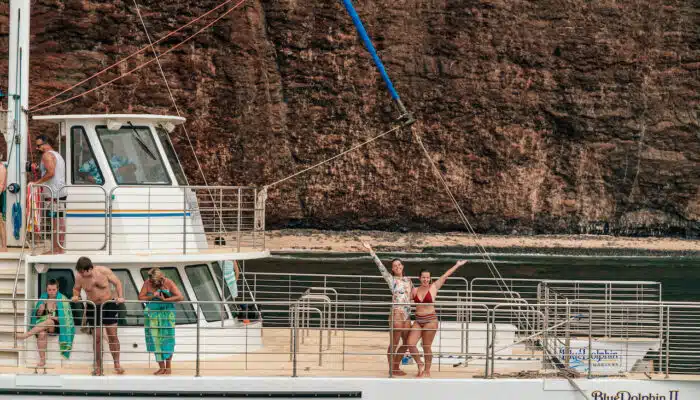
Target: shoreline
[307,240]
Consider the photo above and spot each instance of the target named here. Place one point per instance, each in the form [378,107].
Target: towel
[65,321]
[159,326]
[230,278]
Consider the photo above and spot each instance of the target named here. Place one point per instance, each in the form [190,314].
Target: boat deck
[351,354]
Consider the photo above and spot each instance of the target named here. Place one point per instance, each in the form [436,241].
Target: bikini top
[427,299]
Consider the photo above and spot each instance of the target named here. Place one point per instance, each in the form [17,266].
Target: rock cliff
[564,116]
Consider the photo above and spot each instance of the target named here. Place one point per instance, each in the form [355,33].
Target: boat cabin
[126,192]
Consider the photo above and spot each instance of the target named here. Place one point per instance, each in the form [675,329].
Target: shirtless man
[95,280]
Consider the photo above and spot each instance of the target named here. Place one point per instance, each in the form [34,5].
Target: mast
[405,116]
[17,105]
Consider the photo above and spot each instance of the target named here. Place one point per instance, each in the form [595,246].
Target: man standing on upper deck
[95,281]
[53,176]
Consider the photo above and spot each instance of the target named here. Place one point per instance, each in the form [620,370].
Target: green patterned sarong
[159,324]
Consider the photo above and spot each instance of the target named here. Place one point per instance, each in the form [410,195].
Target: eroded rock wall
[564,116]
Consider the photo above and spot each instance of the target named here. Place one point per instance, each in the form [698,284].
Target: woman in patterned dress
[400,318]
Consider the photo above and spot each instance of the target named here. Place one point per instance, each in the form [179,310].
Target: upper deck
[126,193]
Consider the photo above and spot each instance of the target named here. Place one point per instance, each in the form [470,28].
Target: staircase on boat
[9,353]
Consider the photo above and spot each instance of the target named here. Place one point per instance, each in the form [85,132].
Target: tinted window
[219,276]
[133,156]
[185,313]
[65,278]
[66,281]
[205,289]
[172,156]
[85,170]
[134,311]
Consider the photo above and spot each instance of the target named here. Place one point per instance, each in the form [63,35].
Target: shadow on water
[679,275]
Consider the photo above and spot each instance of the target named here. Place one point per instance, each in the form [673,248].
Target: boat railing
[26,317]
[146,218]
[309,340]
[362,289]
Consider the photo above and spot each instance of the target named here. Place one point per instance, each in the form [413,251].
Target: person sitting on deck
[52,315]
[159,317]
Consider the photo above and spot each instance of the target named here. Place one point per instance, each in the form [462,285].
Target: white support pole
[17,104]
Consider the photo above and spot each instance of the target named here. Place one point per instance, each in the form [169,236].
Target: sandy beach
[349,241]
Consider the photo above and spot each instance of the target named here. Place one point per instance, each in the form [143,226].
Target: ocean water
[679,274]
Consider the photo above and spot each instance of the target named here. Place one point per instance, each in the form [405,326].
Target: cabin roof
[143,118]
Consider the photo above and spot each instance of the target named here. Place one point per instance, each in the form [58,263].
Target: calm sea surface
[679,275]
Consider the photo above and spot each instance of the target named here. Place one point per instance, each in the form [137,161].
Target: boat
[288,335]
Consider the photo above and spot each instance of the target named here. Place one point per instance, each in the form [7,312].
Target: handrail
[678,348]
[324,290]
[201,208]
[20,260]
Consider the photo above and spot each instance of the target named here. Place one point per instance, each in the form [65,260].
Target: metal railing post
[567,343]
[184,220]
[488,338]
[493,345]
[391,343]
[321,322]
[101,327]
[590,341]
[197,361]
[109,221]
[661,335]
[238,222]
[295,340]
[668,340]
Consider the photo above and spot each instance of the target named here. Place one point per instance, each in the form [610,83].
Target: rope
[179,114]
[489,263]
[132,54]
[334,157]
[147,62]
[170,92]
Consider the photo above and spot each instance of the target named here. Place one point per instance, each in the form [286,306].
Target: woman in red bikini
[426,324]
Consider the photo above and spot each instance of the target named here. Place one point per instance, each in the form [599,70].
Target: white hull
[83,387]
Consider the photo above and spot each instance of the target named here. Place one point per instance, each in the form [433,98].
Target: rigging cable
[489,263]
[141,50]
[179,114]
[334,157]
[217,19]
[170,92]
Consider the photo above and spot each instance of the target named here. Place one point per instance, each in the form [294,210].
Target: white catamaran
[287,335]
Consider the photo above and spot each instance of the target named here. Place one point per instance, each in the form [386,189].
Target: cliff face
[564,116]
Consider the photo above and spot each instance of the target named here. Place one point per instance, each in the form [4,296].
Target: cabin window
[134,311]
[204,287]
[133,156]
[219,276]
[172,156]
[86,170]
[184,312]
[66,281]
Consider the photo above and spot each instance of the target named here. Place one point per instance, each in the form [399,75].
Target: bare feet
[167,371]
[119,370]
[22,335]
[41,364]
[56,252]
[160,371]
[398,372]
[96,372]
[420,370]
[426,374]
